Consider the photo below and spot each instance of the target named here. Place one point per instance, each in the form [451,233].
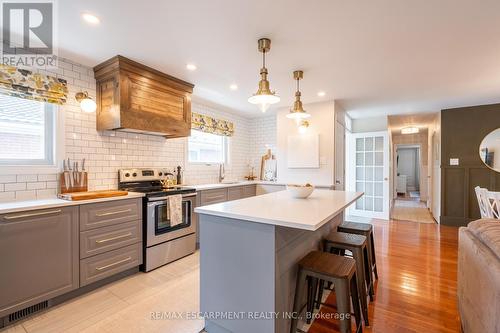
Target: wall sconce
[304,124]
[87,104]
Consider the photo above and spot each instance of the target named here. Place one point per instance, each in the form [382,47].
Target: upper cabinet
[136,98]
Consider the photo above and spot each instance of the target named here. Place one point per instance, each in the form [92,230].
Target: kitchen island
[249,254]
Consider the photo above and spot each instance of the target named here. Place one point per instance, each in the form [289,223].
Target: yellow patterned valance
[208,124]
[26,84]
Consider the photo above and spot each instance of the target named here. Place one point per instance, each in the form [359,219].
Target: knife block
[73,181]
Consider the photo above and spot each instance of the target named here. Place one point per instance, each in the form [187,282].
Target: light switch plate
[454,161]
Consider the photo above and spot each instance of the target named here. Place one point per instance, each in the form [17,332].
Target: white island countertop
[281,209]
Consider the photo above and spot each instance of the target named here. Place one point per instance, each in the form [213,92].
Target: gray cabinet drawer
[249,191]
[109,213]
[213,196]
[104,239]
[235,193]
[103,265]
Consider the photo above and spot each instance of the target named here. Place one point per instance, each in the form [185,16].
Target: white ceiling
[376,57]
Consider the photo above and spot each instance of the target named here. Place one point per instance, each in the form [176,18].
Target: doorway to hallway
[408,171]
[408,205]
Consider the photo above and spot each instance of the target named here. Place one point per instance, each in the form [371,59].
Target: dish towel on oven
[175,208]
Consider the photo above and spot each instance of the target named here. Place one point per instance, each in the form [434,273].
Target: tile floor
[127,305]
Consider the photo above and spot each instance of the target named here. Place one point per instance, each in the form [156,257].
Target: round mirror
[489,150]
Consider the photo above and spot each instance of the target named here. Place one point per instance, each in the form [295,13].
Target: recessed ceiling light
[233,87]
[92,19]
[191,67]
[321,93]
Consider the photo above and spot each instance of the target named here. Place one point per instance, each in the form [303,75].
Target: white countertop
[21,206]
[280,209]
[203,187]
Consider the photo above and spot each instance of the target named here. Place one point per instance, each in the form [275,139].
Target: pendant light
[298,113]
[264,97]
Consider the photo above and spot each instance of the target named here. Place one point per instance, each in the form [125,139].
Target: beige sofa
[479,276]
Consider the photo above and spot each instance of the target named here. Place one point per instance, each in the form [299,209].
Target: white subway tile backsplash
[26,195]
[27,178]
[36,186]
[8,178]
[15,186]
[47,177]
[47,193]
[7,196]
[106,152]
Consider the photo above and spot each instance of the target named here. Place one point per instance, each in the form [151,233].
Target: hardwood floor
[416,290]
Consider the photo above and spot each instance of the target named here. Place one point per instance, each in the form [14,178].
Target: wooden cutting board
[75,196]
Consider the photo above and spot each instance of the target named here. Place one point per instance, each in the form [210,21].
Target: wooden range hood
[132,97]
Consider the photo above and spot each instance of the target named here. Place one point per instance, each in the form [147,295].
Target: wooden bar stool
[357,245]
[341,271]
[366,230]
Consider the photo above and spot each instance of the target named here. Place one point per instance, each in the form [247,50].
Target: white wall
[106,152]
[322,122]
[262,136]
[374,124]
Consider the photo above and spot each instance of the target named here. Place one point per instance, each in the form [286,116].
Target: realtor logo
[28,33]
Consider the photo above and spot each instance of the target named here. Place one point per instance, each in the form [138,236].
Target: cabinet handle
[20,216]
[113,238]
[114,213]
[113,264]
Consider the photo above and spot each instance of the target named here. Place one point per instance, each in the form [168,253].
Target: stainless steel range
[164,240]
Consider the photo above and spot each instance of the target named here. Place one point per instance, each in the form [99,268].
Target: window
[207,148]
[26,132]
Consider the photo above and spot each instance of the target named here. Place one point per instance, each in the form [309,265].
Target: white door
[369,173]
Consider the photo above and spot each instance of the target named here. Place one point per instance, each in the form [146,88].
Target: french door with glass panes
[369,172]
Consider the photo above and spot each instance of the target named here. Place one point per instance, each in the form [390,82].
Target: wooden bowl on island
[299,191]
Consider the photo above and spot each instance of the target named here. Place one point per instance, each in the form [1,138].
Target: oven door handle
[166,197]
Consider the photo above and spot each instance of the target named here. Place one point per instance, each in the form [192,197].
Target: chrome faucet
[222,173]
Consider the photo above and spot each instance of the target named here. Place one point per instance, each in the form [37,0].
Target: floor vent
[21,314]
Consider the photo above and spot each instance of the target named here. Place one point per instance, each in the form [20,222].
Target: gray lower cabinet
[249,191]
[110,239]
[109,263]
[105,239]
[208,197]
[50,252]
[39,256]
[234,193]
[107,213]
[241,192]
